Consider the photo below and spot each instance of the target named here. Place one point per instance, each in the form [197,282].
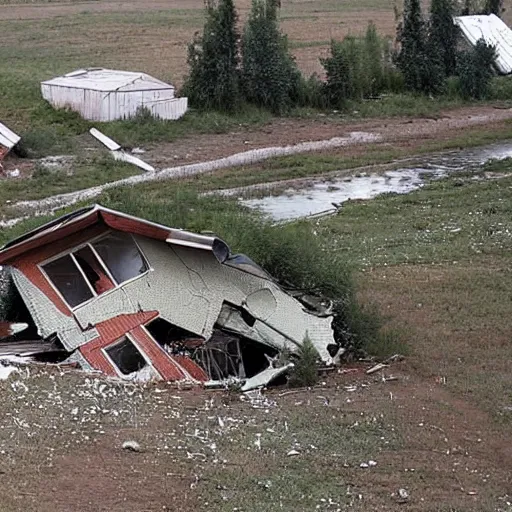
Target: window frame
[131,339]
[88,243]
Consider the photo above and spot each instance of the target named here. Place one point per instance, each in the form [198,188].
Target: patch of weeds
[388,342]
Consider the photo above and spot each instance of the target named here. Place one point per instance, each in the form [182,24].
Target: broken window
[96,268]
[221,357]
[126,356]
[121,256]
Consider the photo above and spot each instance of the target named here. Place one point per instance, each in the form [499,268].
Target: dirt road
[282,132]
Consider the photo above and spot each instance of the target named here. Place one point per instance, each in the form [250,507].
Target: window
[126,356]
[121,256]
[68,280]
[96,268]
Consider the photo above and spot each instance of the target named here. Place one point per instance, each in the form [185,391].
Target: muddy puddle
[317,196]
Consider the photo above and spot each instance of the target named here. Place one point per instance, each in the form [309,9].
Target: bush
[358,68]
[213,82]
[475,70]
[270,77]
[305,371]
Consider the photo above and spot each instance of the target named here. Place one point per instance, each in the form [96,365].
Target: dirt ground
[397,131]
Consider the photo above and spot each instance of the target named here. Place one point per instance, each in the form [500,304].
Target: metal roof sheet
[108,80]
[8,138]
[494,32]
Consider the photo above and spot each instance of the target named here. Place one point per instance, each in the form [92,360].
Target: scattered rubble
[8,139]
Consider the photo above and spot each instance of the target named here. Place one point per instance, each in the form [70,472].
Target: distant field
[40,40]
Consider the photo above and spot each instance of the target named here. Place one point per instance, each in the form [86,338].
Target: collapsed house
[494,32]
[99,94]
[139,300]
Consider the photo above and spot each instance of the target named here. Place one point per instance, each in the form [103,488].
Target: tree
[475,70]
[270,77]
[443,34]
[418,58]
[213,58]
[493,7]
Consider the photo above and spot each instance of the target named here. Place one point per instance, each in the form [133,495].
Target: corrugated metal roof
[108,80]
[494,32]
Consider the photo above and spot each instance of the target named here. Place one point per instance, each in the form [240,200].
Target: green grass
[83,173]
[453,219]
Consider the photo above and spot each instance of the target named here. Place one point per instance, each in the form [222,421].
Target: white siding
[95,103]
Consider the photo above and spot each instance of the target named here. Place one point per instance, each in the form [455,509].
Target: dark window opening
[255,356]
[126,356]
[220,357]
[121,256]
[68,280]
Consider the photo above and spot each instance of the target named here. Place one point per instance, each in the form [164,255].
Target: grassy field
[434,263]
[40,40]
[437,265]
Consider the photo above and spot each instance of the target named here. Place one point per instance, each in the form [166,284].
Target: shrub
[305,371]
[475,70]
[270,77]
[358,68]
[213,82]
[493,7]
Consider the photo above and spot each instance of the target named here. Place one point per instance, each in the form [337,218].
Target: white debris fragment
[376,368]
[5,371]
[372,463]
[364,465]
[14,174]
[403,494]
[132,446]
[138,151]
[293,453]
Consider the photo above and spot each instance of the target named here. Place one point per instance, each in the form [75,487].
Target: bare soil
[399,131]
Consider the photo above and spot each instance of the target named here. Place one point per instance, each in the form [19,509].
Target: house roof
[108,80]
[84,217]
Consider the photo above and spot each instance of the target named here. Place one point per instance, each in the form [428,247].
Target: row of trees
[429,53]
[228,69]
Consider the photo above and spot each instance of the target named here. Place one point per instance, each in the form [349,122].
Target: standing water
[322,196]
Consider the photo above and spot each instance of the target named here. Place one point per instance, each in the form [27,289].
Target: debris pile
[132,299]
